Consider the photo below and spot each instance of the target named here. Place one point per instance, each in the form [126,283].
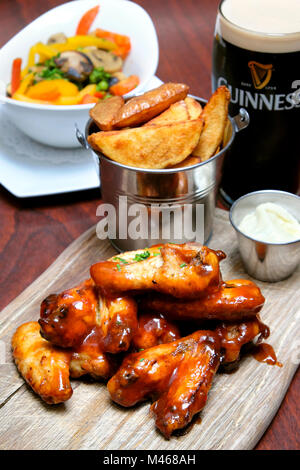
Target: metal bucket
[163,194]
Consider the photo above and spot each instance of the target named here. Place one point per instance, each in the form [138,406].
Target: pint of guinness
[256,55]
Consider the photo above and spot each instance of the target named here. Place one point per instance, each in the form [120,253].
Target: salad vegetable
[80,69]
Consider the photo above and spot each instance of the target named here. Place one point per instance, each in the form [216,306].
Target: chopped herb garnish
[156,254]
[51,71]
[118,267]
[141,360]
[142,256]
[141,349]
[117,258]
[183,265]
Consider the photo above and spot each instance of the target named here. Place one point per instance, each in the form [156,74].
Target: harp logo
[261,74]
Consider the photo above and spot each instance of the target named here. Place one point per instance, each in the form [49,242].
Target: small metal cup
[194,185]
[270,262]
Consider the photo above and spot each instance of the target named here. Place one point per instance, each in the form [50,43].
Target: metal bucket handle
[241,120]
[81,138]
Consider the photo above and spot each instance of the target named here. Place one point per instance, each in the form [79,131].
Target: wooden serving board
[240,406]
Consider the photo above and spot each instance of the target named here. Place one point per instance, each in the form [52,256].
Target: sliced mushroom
[76,65]
[100,58]
[58,38]
[119,75]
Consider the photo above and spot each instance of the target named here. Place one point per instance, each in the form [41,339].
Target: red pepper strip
[16,75]
[86,21]
[125,86]
[99,94]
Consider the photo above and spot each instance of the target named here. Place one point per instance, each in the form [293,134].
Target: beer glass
[256,54]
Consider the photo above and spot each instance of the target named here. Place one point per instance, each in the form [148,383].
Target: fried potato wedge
[189,161]
[156,146]
[44,366]
[194,108]
[143,108]
[105,112]
[215,116]
[176,112]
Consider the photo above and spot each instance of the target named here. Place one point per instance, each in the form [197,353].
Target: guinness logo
[261,74]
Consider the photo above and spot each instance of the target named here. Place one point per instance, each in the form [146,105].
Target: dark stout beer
[262,72]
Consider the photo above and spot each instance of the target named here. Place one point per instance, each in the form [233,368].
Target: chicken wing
[188,388]
[90,359]
[154,329]
[67,318]
[117,323]
[44,366]
[183,271]
[235,335]
[235,300]
[179,373]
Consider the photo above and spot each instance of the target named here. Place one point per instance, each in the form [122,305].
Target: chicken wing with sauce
[235,300]
[89,358]
[183,271]
[67,318]
[117,323]
[234,335]
[44,366]
[177,374]
[154,329]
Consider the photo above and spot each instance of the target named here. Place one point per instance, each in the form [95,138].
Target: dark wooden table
[33,232]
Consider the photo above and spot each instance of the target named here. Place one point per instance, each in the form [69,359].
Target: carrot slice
[86,21]
[119,39]
[122,51]
[16,75]
[125,86]
[89,99]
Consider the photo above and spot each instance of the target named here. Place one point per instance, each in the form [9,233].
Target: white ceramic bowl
[55,125]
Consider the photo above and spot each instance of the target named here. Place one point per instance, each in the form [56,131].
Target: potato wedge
[189,161]
[143,108]
[176,112]
[104,112]
[215,116]
[194,108]
[156,146]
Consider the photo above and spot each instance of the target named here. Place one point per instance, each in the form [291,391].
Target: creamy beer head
[256,54]
[261,25]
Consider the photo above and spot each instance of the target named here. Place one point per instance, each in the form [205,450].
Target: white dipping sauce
[271,223]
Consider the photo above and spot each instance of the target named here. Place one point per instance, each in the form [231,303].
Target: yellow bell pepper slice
[88,90]
[25,83]
[26,99]
[45,52]
[31,56]
[67,100]
[85,41]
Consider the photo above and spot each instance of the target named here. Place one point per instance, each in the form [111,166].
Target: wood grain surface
[34,232]
[240,405]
